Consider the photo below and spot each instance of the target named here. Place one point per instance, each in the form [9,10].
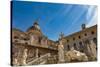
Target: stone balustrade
[40,60]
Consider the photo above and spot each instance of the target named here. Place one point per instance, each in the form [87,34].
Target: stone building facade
[32,47]
[84,41]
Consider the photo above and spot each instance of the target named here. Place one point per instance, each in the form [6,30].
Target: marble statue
[24,56]
[60,52]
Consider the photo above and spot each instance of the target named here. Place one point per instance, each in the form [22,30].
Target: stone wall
[84,41]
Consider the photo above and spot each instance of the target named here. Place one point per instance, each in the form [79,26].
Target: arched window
[80,43]
[67,40]
[79,37]
[73,38]
[68,47]
[39,40]
[85,34]
[81,46]
[75,46]
[92,32]
[95,40]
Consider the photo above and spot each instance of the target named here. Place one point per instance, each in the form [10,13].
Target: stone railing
[31,59]
[40,60]
[53,59]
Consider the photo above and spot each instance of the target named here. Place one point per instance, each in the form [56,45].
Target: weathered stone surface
[74,55]
[24,57]
[61,52]
[27,46]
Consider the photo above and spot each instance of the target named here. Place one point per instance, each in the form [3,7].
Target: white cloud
[93,20]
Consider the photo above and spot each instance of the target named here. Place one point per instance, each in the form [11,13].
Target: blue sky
[53,18]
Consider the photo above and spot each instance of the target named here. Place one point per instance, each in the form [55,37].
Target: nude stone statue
[24,56]
[15,62]
[60,52]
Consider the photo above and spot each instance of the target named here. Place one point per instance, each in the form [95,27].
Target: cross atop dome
[61,35]
[36,22]
[36,25]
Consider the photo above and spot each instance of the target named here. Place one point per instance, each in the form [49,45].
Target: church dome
[35,29]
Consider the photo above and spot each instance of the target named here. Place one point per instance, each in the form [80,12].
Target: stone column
[37,51]
[24,56]
[60,53]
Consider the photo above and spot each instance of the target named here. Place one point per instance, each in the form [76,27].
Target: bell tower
[83,26]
